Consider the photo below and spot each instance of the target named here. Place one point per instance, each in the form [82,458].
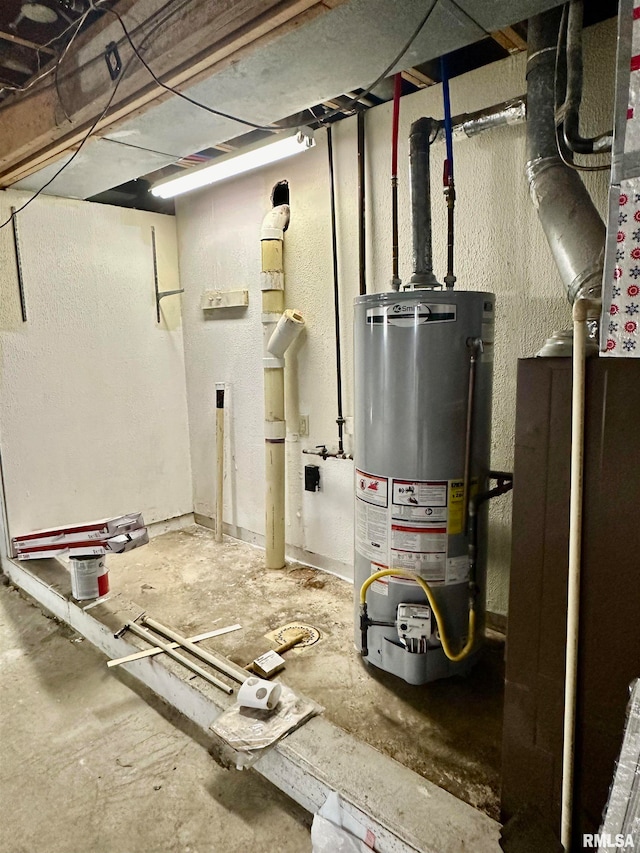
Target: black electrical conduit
[362,245]
[572,24]
[336,293]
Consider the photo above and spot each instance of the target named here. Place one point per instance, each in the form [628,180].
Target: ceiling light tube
[234,164]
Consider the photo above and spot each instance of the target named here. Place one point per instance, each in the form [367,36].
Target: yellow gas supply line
[424,586]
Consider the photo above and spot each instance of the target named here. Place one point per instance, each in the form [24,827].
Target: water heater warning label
[372,538]
[372,526]
[419,500]
[421,539]
[373,490]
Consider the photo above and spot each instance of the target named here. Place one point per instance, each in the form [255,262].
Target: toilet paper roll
[258,693]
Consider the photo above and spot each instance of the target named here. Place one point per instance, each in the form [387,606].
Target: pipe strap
[272,280]
[275,430]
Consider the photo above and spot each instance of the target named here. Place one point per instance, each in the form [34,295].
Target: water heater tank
[413,410]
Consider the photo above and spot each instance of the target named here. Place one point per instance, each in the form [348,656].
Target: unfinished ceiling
[32,34]
[312,64]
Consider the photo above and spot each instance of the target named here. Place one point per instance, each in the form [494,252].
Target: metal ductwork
[572,225]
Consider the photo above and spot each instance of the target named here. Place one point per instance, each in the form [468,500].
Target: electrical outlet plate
[224,299]
[303,428]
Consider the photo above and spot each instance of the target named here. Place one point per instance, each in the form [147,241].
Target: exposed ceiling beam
[509,39]
[26,43]
[412,75]
[206,36]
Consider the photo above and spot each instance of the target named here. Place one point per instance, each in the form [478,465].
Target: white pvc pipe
[286,331]
[582,309]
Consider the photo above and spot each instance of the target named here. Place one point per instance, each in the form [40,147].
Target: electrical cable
[558,124]
[10,88]
[95,6]
[168,88]
[414,35]
[85,139]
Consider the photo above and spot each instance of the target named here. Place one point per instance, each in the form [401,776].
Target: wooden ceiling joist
[509,39]
[208,35]
[412,75]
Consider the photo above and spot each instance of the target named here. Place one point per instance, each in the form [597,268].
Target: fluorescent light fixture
[231,165]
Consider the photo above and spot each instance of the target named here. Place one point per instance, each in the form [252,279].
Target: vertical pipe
[580,316]
[362,244]
[336,292]
[272,239]
[420,140]
[572,225]
[219,458]
[449,182]
[397,92]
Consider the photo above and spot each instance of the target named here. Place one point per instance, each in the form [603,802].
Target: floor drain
[282,635]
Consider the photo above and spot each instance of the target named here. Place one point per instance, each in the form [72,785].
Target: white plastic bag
[329,835]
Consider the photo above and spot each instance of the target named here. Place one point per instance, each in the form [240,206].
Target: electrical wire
[274,128]
[69,161]
[414,35]
[95,6]
[54,68]
[577,167]
[168,88]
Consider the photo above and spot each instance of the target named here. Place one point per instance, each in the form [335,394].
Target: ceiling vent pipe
[572,225]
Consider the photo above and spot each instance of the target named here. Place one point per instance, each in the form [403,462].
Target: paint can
[89,577]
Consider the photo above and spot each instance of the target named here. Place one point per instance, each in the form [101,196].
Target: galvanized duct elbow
[572,225]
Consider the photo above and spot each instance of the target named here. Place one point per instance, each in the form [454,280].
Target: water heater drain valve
[414,626]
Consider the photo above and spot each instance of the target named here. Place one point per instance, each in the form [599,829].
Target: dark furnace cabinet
[609,657]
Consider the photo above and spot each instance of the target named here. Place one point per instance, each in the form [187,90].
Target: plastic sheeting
[620,334]
[621,827]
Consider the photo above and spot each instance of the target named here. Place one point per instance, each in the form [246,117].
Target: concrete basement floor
[88,765]
[449,731]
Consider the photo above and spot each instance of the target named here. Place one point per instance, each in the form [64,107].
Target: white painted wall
[500,247]
[93,414]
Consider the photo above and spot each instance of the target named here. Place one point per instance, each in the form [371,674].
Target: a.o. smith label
[411,314]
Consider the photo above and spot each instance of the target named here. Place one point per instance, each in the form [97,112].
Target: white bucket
[89,577]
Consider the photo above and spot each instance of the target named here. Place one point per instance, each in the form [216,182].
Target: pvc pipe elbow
[286,331]
[275,223]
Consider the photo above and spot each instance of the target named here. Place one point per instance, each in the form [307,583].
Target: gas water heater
[423,377]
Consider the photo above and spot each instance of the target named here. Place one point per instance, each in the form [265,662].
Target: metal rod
[156,650]
[166,648]
[336,291]
[208,657]
[16,246]
[475,345]
[159,295]
[155,272]
[362,226]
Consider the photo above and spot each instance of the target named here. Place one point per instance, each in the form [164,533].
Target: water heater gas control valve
[414,626]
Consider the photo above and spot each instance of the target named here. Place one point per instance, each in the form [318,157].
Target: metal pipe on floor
[208,657]
[166,648]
